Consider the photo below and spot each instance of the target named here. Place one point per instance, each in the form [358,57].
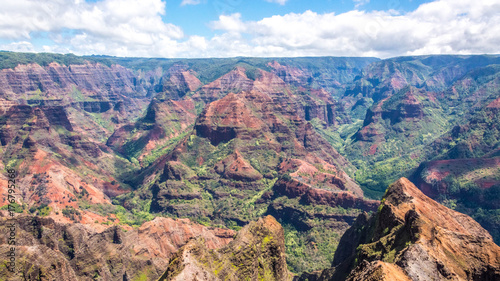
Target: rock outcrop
[404,106]
[49,250]
[236,167]
[256,253]
[164,120]
[177,83]
[242,140]
[412,237]
[241,145]
[55,79]
[45,146]
[233,81]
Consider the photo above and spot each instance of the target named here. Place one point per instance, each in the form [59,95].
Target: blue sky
[194,19]
[226,28]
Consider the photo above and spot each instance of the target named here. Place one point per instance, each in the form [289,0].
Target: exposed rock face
[45,146]
[234,81]
[261,115]
[402,107]
[236,167]
[291,75]
[241,145]
[411,235]
[317,196]
[164,120]
[411,105]
[326,73]
[328,113]
[378,271]
[324,175]
[494,104]
[342,199]
[178,82]
[88,88]
[230,118]
[257,253]
[430,176]
[56,79]
[232,133]
[50,250]
[317,103]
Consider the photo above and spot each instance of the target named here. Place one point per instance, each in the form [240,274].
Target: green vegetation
[468,198]
[449,121]
[14,207]
[310,250]
[12,59]
[102,122]
[402,144]
[141,277]
[77,95]
[72,213]
[42,210]
[135,217]
[310,236]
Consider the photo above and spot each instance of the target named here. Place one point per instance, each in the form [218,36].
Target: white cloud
[444,26]
[190,2]
[231,23]
[359,3]
[22,46]
[135,28]
[281,2]
[114,27]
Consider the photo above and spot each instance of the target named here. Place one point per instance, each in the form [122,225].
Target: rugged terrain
[103,141]
[48,250]
[249,149]
[256,253]
[412,237]
[432,119]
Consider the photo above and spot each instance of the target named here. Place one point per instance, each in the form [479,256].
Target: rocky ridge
[56,140]
[256,253]
[47,249]
[415,238]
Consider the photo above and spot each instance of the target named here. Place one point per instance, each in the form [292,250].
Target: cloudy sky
[264,28]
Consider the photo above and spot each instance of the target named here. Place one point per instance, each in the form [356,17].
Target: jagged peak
[257,253]
[412,237]
[403,196]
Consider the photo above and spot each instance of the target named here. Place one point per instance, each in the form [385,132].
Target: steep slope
[149,137]
[381,79]
[250,150]
[46,249]
[327,73]
[227,141]
[416,238]
[241,129]
[57,167]
[92,88]
[177,82]
[174,108]
[169,115]
[416,100]
[54,120]
[234,81]
[256,253]
[465,174]
[59,111]
[393,135]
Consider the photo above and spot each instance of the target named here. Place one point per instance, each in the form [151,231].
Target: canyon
[148,168]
